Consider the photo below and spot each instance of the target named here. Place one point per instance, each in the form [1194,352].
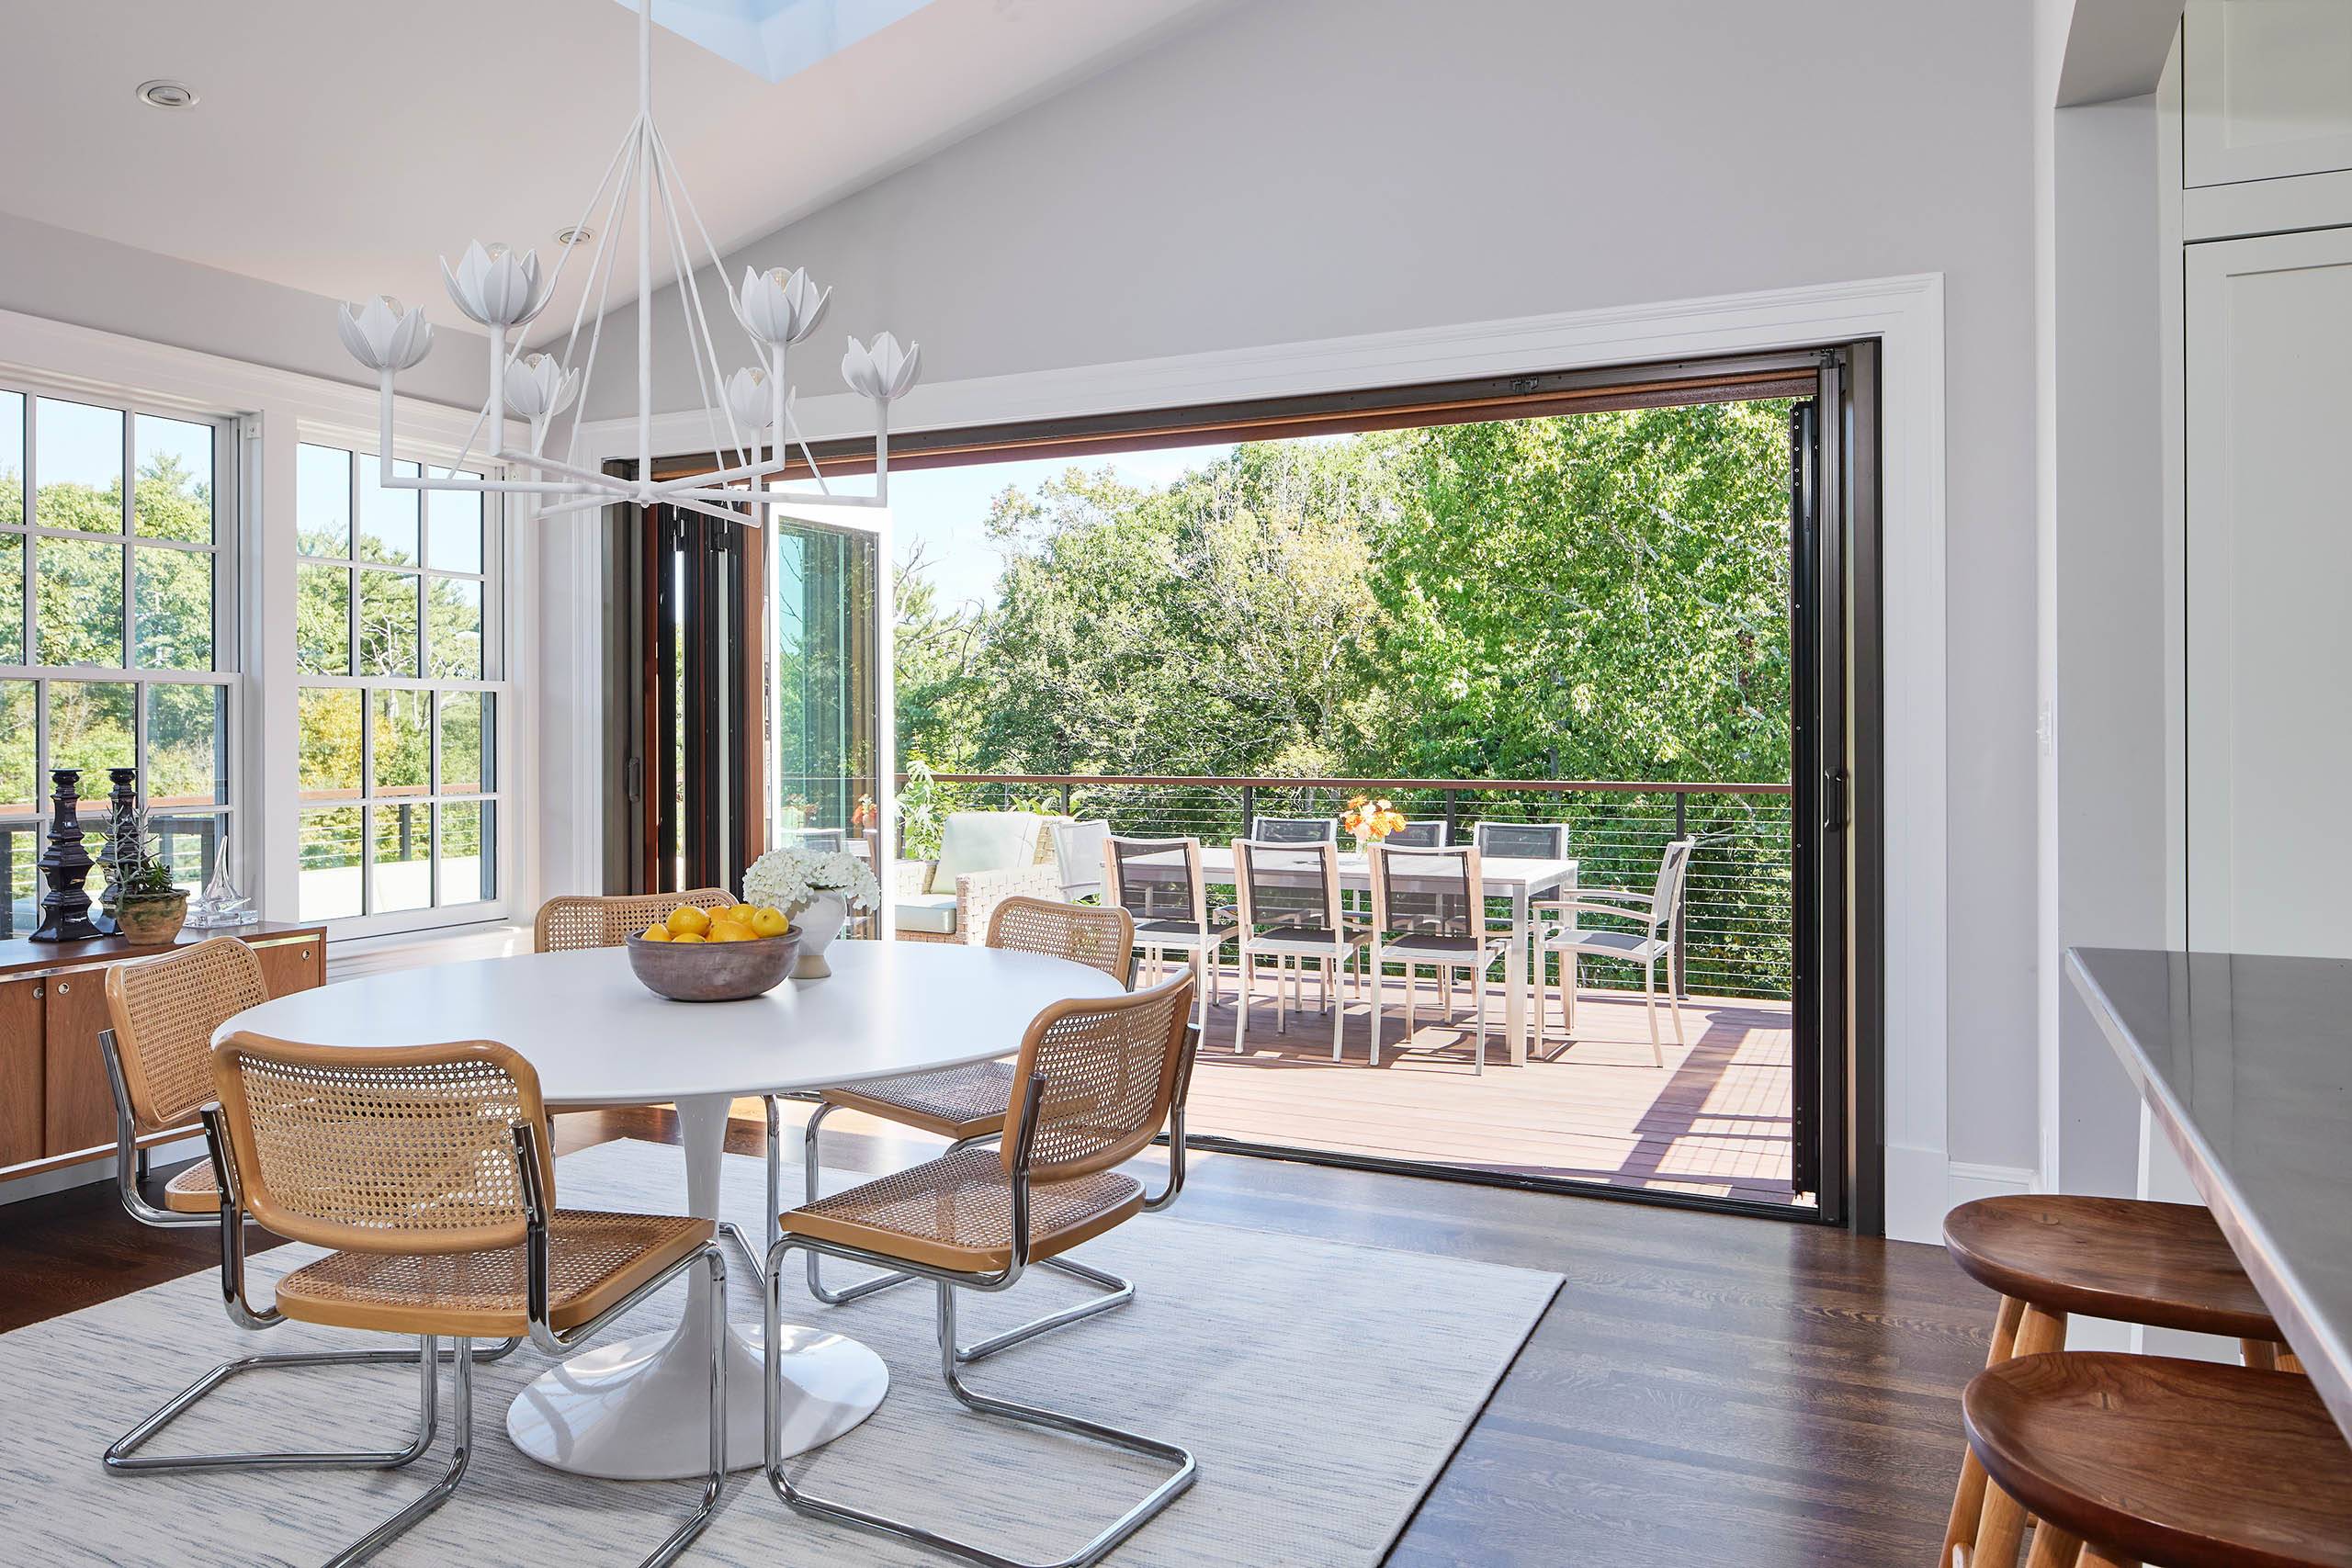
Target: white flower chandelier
[748,414]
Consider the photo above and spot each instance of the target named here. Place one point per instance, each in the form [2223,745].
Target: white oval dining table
[635,1410]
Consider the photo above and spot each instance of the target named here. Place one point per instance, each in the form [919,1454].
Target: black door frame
[1844,985]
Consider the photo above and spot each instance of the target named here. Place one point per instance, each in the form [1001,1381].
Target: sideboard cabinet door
[79,1106]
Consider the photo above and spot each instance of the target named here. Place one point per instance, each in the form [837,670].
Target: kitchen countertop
[2246,1064]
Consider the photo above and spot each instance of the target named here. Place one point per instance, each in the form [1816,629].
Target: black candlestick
[125,847]
[66,866]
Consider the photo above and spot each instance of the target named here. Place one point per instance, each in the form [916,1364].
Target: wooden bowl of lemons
[715,956]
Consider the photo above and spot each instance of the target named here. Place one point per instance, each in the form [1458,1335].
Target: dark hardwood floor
[1704,1389]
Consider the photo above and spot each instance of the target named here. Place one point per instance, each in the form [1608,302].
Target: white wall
[112,287]
[2109,584]
[1304,169]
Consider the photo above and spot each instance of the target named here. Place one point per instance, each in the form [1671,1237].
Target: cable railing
[1737,904]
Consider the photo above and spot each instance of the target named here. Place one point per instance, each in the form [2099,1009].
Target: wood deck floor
[1715,1120]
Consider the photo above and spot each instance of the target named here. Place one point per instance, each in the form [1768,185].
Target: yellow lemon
[687,921]
[690,936]
[723,930]
[740,914]
[656,932]
[767,921]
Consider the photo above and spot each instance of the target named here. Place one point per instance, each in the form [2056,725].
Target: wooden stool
[2186,1465]
[2162,1264]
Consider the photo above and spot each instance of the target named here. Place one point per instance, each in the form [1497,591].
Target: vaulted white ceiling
[342,147]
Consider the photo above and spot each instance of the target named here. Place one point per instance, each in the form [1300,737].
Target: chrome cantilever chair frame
[530,1158]
[1118,1291]
[122,1456]
[950,1359]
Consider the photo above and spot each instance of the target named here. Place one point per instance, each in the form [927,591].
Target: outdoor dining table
[637,1409]
[1520,881]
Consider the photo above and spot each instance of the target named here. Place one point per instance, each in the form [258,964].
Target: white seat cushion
[984,841]
[932,913]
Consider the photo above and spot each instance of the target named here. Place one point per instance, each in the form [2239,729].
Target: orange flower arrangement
[862,817]
[1370,820]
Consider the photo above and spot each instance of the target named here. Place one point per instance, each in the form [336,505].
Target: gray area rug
[1322,1386]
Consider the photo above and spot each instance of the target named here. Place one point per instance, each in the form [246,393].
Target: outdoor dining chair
[425,1172]
[1290,908]
[1159,882]
[1295,829]
[1658,913]
[1429,907]
[1421,833]
[161,1012]
[1097,1081]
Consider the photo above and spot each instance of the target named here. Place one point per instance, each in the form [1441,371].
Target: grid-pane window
[115,591]
[396,645]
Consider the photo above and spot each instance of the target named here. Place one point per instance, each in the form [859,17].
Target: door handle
[1837,800]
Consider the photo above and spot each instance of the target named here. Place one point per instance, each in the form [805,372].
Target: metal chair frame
[1117,1292]
[947,1282]
[531,1160]
[122,1455]
[1332,942]
[1391,944]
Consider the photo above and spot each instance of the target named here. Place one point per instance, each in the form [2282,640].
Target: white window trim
[275,409]
[228,533]
[497,654]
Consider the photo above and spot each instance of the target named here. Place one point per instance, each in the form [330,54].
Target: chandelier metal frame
[504,293]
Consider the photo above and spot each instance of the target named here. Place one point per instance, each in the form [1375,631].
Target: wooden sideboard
[55,1106]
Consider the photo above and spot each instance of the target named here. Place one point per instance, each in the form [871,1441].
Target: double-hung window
[118,611]
[399,650]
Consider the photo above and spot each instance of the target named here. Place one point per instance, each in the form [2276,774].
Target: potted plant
[816,892]
[148,907]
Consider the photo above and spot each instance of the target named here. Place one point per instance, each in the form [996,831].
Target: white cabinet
[2268,88]
[2268,593]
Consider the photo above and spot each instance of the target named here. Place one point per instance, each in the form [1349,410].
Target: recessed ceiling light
[575,236]
[167,94]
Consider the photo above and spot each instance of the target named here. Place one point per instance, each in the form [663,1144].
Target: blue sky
[945,510]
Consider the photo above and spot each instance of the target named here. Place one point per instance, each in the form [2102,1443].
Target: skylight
[775,39]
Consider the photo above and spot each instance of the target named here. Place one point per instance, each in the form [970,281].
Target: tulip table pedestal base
[639,1409]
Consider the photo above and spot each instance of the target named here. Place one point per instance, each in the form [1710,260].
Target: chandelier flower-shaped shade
[884,371]
[382,334]
[495,286]
[748,398]
[538,388]
[779,307]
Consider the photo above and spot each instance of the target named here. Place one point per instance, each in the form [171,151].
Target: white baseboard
[91,1172]
[1922,1186]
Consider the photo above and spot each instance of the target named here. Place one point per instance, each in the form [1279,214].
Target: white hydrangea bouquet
[816,891]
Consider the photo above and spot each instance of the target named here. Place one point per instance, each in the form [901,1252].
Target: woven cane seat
[954,1102]
[195,1190]
[956,1213]
[593,1260]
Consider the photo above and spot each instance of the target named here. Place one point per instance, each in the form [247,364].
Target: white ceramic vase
[820,919]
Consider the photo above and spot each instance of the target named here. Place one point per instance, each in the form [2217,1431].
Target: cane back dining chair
[593,919]
[969,1105]
[1658,913]
[573,920]
[161,1013]
[1429,907]
[426,1172]
[1291,911]
[1159,882]
[1099,1078]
